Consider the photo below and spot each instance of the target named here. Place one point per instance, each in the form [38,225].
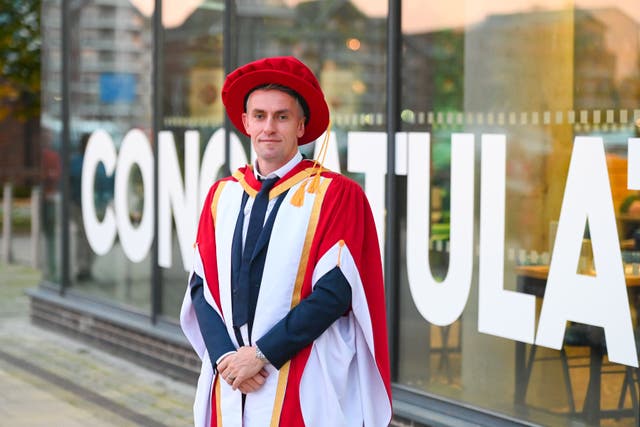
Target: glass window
[110,85]
[344,43]
[51,132]
[193,73]
[521,229]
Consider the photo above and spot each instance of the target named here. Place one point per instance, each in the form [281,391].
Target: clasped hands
[242,370]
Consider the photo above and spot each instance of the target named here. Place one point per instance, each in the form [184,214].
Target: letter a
[599,300]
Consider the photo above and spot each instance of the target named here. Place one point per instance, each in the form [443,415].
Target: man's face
[274,121]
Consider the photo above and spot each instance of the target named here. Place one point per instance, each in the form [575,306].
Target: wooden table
[541,272]
[532,279]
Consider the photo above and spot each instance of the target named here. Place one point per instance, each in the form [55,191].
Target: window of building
[496,99]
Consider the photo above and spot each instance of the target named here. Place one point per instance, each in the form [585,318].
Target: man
[285,303]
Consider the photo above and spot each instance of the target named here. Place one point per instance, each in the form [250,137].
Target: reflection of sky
[174,12]
[417,15]
[421,15]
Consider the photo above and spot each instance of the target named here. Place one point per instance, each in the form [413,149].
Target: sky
[422,15]
[174,12]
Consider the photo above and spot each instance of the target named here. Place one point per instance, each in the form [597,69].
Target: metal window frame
[432,410]
[64,148]
[156,126]
[391,244]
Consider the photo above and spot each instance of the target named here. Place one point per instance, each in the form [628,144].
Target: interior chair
[446,348]
[631,383]
[576,335]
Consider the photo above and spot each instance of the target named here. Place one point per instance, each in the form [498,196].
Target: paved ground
[20,248]
[47,379]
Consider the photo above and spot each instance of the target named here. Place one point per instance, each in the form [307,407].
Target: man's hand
[254,383]
[243,370]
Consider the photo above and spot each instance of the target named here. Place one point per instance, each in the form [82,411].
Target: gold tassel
[297,199]
[315,183]
[341,245]
[317,164]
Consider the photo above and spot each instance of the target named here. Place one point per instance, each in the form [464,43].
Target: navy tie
[256,222]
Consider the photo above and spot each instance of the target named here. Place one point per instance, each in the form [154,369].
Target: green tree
[20,59]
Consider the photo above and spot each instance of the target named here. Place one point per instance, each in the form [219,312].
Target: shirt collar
[278,172]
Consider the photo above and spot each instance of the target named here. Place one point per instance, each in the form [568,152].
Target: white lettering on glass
[100,149]
[441,303]
[176,199]
[501,312]
[368,155]
[599,299]
[135,149]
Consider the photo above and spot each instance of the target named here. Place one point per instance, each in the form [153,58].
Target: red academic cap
[283,70]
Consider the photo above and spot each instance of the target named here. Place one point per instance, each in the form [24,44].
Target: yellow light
[353,44]
[358,87]
[408,116]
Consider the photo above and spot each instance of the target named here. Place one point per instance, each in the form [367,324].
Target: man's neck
[279,171]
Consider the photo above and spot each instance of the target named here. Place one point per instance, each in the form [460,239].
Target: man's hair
[274,86]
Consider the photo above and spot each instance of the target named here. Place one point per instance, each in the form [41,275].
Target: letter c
[100,149]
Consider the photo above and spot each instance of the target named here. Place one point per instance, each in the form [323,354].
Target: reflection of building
[51,62]
[200,76]
[594,63]
[351,51]
[267,29]
[610,43]
[602,58]
[344,47]
[550,63]
[350,55]
[516,76]
[109,66]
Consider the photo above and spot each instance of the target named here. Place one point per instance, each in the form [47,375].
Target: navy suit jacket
[330,299]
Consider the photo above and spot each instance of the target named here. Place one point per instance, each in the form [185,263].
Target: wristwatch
[260,356]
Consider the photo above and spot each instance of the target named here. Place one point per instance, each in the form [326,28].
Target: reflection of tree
[433,80]
[433,71]
[19,85]
[20,59]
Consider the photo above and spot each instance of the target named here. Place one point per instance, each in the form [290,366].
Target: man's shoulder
[235,176]
[339,180]
[218,184]
[222,181]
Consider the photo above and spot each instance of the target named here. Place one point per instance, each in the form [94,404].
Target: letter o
[135,241]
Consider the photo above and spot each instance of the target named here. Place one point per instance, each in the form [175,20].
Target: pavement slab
[48,379]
